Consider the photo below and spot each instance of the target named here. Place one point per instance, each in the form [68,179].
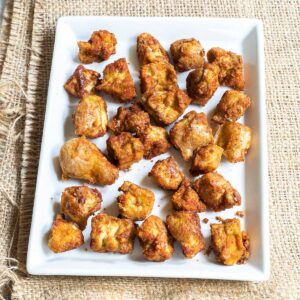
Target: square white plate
[243,36]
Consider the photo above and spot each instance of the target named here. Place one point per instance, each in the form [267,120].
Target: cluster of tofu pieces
[138,131]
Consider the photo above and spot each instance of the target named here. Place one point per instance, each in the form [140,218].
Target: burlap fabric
[25,55]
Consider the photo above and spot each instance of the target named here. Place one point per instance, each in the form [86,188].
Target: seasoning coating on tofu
[231,107]
[64,235]
[155,240]
[79,202]
[230,244]
[216,192]
[90,117]
[167,174]
[136,203]
[231,67]
[202,83]
[82,82]
[100,46]
[235,139]
[187,54]
[149,50]
[185,228]
[80,158]
[186,198]
[191,133]
[165,106]
[155,141]
[125,149]
[117,81]
[111,234]
[206,159]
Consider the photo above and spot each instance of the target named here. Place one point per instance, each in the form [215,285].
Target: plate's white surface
[243,36]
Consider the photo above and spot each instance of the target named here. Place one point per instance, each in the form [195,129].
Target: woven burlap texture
[27,65]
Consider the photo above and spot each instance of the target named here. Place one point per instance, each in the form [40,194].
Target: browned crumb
[205,220]
[220,219]
[240,213]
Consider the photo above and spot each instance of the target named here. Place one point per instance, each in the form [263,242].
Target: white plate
[243,36]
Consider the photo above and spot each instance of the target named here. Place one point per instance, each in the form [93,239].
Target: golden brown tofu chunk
[82,82]
[231,67]
[187,54]
[135,203]
[80,158]
[117,81]
[149,50]
[165,106]
[79,202]
[231,107]
[90,117]
[202,83]
[230,244]
[186,198]
[235,139]
[190,133]
[132,119]
[206,159]
[64,236]
[155,240]
[125,149]
[111,234]
[185,228]
[216,192]
[158,77]
[100,47]
[155,141]
[167,174]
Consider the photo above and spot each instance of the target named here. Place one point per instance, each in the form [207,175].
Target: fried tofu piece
[125,149]
[187,54]
[190,133]
[216,192]
[206,159]
[167,174]
[80,158]
[186,198]
[202,83]
[64,235]
[79,202]
[149,50]
[100,47]
[82,83]
[231,67]
[90,117]
[132,119]
[185,228]
[111,234]
[230,244]
[235,139]
[135,203]
[165,106]
[155,141]
[117,81]
[231,107]
[155,240]
[158,77]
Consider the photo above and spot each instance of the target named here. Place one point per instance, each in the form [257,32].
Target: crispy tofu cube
[230,244]
[79,202]
[191,133]
[111,234]
[216,192]
[185,228]
[155,240]
[64,235]
[135,203]
[82,82]
[100,47]
[187,54]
